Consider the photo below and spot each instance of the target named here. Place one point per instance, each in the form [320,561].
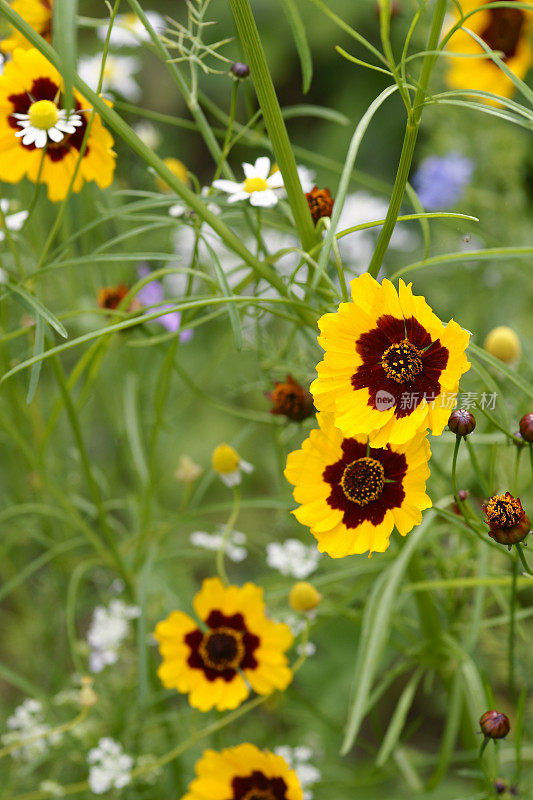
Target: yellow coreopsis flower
[41,140]
[390,366]
[352,495]
[244,773]
[38,14]
[235,647]
[505,30]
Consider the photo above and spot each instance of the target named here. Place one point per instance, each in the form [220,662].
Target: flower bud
[304,597]
[87,697]
[503,344]
[494,725]
[188,470]
[526,427]
[240,70]
[506,519]
[110,297]
[178,169]
[291,400]
[461,422]
[320,203]
[463,495]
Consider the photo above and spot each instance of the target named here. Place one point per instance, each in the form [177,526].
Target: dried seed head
[291,400]
[526,427]
[320,203]
[461,422]
[111,296]
[506,519]
[494,725]
[240,70]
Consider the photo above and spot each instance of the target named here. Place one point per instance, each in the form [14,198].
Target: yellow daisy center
[225,459]
[222,648]
[255,185]
[43,114]
[363,481]
[402,361]
[504,511]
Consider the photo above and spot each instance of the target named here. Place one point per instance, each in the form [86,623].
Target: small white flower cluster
[109,628]
[293,558]
[13,222]
[110,766]
[28,723]
[298,759]
[233,546]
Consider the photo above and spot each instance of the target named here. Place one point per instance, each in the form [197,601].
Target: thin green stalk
[228,529]
[227,138]
[523,558]
[275,125]
[476,467]
[384,27]
[411,134]
[512,632]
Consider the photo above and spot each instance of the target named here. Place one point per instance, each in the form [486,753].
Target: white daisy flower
[118,73]
[258,186]
[128,30]
[148,134]
[13,222]
[46,121]
[228,464]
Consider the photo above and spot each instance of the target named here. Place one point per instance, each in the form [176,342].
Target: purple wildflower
[440,180]
[153,294]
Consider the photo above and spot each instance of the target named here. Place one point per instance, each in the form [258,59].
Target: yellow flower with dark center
[38,14]
[243,773]
[391,368]
[39,138]
[234,648]
[352,495]
[506,30]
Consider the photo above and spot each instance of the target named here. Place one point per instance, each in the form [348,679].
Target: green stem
[512,632]
[411,134]
[228,528]
[227,138]
[275,125]
[66,726]
[523,559]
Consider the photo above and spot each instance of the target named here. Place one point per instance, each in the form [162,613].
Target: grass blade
[300,40]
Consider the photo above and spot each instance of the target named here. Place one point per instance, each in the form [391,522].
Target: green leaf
[133,428]
[481,355]
[376,627]
[33,305]
[65,42]
[300,40]
[399,717]
[38,350]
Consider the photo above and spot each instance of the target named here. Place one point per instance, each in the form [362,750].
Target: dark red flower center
[222,648]
[365,485]
[258,787]
[504,30]
[226,647]
[363,480]
[402,361]
[401,365]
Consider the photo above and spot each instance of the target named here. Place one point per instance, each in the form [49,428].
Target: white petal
[265,199]
[262,167]
[249,171]
[228,186]
[275,181]
[245,465]
[15,221]
[21,133]
[177,211]
[30,135]
[55,134]
[21,116]
[40,139]
[231,478]
[234,198]
[4,206]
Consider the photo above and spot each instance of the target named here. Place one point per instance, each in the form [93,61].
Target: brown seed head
[110,296]
[506,519]
[291,400]
[320,203]
[526,427]
[494,725]
[461,422]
